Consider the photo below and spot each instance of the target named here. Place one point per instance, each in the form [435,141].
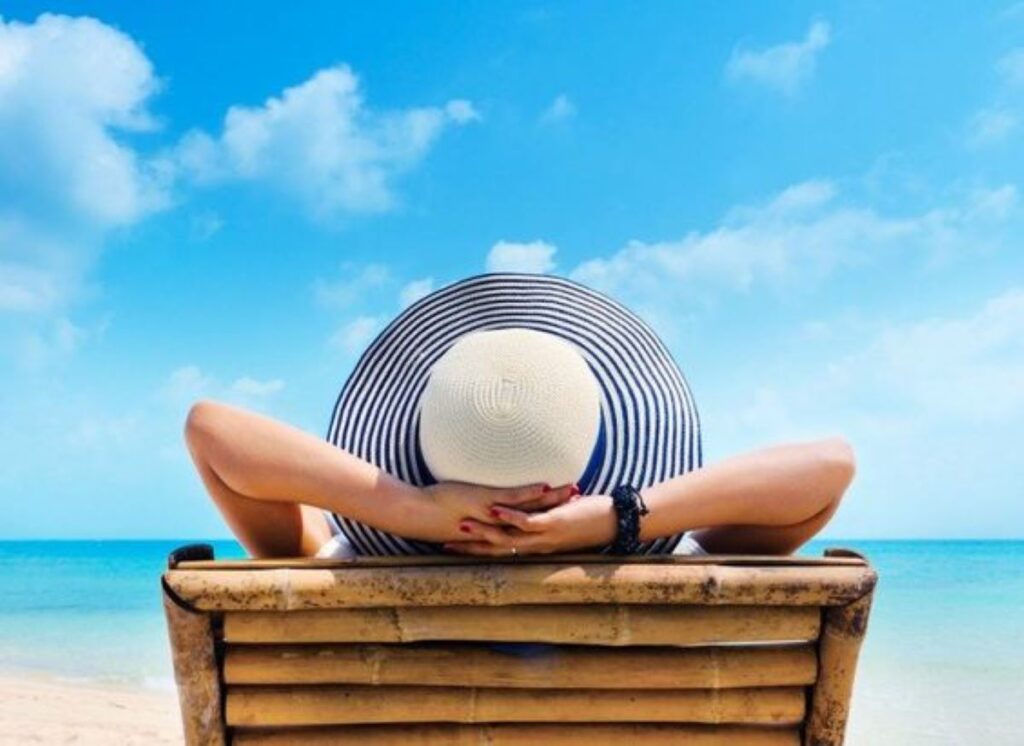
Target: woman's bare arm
[770,500]
[261,472]
[767,501]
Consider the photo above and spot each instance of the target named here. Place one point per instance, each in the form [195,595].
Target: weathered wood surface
[503,585]
[614,624]
[196,674]
[259,706]
[526,734]
[557,668]
[832,558]
[841,637]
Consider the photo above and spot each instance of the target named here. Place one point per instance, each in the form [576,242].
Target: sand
[37,709]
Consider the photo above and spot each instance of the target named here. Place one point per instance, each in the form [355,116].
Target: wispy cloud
[204,225]
[1011,67]
[534,257]
[462,111]
[355,334]
[991,126]
[994,124]
[933,405]
[254,388]
[373,293]
[798,238]
[414,290]
[354,284]
[319,143]
[188,383]
[559,110]
[785,67]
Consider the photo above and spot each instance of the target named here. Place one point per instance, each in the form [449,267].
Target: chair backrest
[571,650]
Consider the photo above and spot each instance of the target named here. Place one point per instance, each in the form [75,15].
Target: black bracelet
[629,506]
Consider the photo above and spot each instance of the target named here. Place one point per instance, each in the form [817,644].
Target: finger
[479,531]
[550,496]
[518,495]
[520,519]
[552,499]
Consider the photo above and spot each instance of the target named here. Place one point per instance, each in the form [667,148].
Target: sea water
[943,662]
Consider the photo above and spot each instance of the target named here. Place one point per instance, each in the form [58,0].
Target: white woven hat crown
[510,407]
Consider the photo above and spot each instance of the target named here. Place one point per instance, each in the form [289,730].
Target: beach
[87,661]
[36,708]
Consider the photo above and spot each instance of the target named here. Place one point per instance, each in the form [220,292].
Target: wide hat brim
[650,426]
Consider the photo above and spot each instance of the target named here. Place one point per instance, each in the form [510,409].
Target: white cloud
[353,336]
[934,406]
[462,111]
[413,291]
[970,368]
[205,225]
[71,91]
[535,257]
[990,126]
[100,433]
[785,67]
[1011,67]
[797,238]
[319,143]
[370,286]
[994,124]
[54,339]
[354,284]
[188,383]
[561,109]
[253,388]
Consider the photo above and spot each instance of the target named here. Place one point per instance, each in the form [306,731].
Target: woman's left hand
[583,523]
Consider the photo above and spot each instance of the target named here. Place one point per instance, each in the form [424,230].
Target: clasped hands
[536,519]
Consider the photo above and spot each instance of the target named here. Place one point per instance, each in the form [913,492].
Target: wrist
[629,507]
[416,514]
[601,526]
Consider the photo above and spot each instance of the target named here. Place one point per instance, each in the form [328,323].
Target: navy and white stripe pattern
[650,423]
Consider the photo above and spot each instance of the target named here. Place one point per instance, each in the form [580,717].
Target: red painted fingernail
[573,491]
[546,488]
[495,512]
[464,528]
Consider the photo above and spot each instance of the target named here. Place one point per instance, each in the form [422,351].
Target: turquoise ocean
[943,662]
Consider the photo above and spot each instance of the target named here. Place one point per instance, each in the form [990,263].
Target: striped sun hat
[641,425]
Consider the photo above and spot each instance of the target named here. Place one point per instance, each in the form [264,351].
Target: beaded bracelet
[629,506]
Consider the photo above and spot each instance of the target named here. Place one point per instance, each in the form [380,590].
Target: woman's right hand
[451,503]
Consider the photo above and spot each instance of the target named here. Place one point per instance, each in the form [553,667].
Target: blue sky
[817,205]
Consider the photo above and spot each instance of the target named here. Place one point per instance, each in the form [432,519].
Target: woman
[509,415]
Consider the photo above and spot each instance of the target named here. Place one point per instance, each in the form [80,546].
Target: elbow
[839,464]
[202,424]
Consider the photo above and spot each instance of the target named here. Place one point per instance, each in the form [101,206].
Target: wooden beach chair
[690,650]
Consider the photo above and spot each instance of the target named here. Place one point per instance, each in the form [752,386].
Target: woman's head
[510,407]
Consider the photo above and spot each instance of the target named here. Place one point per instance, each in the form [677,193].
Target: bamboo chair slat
[615,625]
[557,668]
[447,560]
[526,734]
[510,584]
[254,706]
